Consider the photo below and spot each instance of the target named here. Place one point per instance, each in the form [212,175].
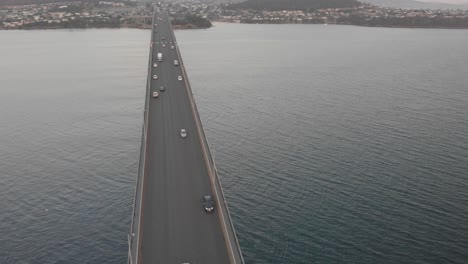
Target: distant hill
[30,2]
[191,21]
[294,4]
[413,4]
[24,2]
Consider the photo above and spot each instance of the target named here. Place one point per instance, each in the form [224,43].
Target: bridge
[169,223]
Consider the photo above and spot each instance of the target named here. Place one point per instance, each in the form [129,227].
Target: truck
[160,57]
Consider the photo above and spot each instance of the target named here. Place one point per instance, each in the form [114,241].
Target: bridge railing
[215,178]
[134,236]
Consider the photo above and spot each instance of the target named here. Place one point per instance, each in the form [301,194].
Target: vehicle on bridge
[214,240]
[208,203]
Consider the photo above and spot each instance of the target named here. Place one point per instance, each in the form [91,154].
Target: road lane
[175,228]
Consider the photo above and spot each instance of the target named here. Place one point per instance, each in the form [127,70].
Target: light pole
[213,156]
[130,236]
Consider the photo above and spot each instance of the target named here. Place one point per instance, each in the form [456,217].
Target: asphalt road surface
[174,227]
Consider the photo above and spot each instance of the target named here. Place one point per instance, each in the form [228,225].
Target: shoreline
[335,24]
[99,27]
[186,27]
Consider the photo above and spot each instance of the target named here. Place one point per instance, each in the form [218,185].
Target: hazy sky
[447,1]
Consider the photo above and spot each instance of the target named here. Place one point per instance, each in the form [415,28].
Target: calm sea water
[335,144]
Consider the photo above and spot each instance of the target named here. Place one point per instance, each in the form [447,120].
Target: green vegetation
[28,2]
[410,22]
[70,8]
[31,2]
[305,5]
[191,21]
[77,23]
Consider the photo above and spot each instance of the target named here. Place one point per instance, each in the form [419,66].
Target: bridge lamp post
[214,164]
[130,236]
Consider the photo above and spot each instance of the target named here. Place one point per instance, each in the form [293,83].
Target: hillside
[294,4]
[29,2]
[191,21]
[24,2]
[413,4]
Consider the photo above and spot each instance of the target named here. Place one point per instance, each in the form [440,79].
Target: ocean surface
[335,144]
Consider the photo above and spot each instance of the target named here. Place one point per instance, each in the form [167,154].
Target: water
[70,129]
[335,144]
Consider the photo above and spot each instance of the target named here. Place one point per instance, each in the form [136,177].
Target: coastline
[191,26]
[343,24]
[146,27]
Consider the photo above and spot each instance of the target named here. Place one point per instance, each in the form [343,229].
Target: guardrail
[210,159]
[134,237]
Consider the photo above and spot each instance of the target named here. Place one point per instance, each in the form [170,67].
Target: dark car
[208,203]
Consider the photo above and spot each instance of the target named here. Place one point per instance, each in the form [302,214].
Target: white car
[155,77]
[183,133]
[179,78]
[164,45]
[172,47]
[155,94]
[176,63]
[155,65]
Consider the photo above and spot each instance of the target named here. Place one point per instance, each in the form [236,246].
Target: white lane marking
[192,103]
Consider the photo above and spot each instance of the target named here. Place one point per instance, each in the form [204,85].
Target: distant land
[413,4]
[34,2]
[320,4]
[31,2]
[275,5]
[190,22]
[92,14]
[343,12]
[190,14]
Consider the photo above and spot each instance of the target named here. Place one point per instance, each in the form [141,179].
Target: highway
[174,228]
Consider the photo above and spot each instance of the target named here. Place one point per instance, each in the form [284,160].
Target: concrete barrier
[134,236]
[229,231]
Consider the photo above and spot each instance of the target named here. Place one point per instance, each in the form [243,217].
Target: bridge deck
[170,224]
